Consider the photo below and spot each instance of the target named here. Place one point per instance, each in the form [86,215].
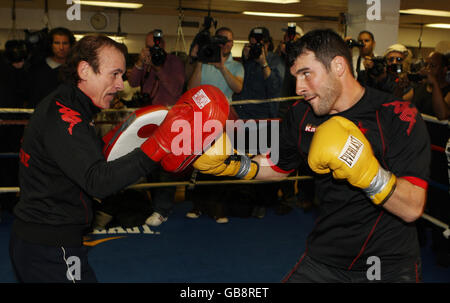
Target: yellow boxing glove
[222,160]
[339,146]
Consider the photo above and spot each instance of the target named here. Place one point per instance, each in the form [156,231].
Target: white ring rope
[427,118]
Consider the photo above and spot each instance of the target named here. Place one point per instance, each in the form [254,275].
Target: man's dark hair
[223,28]
[367,32]
[87,50]
[62,31]
[325,44]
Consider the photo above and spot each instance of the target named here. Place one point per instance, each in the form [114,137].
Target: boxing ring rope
[191,183]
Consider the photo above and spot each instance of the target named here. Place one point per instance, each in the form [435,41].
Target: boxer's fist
[187,119]
[340,147]
[221,160]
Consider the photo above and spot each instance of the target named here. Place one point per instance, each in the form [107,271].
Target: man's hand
[144,58]
[262,60]
[220,65]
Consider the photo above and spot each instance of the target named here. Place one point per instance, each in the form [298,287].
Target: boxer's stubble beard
[327,95]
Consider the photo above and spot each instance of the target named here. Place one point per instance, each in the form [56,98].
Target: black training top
[350,228]
[63,168]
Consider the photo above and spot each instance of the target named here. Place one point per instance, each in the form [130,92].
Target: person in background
[45,74]
[161,77]
[432,95]
[370,167]
[264,75]
[228,76]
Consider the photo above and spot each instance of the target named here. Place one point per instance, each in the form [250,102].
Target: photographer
[292,34]
[432,96]
[366,45]
[389,73]
[264,74]
[159,74]
[45,73]
[161,77]
[227,74]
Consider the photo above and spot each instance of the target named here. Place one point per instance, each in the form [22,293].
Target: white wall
[137,26]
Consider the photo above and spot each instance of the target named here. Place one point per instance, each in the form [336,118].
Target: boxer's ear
[83,70]
[338,65]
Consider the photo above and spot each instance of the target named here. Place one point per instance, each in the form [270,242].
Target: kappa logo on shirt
[405,112]
[310,128]
[69,115]
[361,128]
[24,157]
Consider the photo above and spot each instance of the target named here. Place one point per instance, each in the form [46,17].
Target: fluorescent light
[119,39]
[426,12]
[438,25]
[109,4]
[240,41]
[273,1]
[282,15]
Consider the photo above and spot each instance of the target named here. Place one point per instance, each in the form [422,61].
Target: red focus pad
[133,131]
[190,126]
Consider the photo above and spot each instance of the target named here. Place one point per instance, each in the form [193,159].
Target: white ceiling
[314,10]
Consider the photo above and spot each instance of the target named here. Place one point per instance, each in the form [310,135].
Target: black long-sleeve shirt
[350,228]
[63,168]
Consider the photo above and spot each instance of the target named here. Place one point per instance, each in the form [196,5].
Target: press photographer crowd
[343,87]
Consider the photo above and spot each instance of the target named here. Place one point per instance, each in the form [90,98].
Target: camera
[209,47]
[290,35]
[354,43]
[16,51]
[256,48]
[415,77]
[37,37]
[395,68]
[38,44]
[157,53]
[379,65]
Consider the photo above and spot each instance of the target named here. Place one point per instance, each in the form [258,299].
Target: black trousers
[34,263]
[309,270]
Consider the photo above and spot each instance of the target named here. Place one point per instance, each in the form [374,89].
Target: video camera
[16,51]
[209,47]
[379,65]
[256,48]
[291,32]
[354,43]
[157,53]
[38,44]
[414,75]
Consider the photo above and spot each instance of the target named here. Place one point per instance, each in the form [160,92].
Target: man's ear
[339,65]
[83,70]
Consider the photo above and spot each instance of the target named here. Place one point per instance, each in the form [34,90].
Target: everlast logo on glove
[351,151]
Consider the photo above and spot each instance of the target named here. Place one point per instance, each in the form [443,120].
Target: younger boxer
[371,153]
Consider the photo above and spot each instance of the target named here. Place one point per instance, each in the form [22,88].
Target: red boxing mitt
[191,125]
